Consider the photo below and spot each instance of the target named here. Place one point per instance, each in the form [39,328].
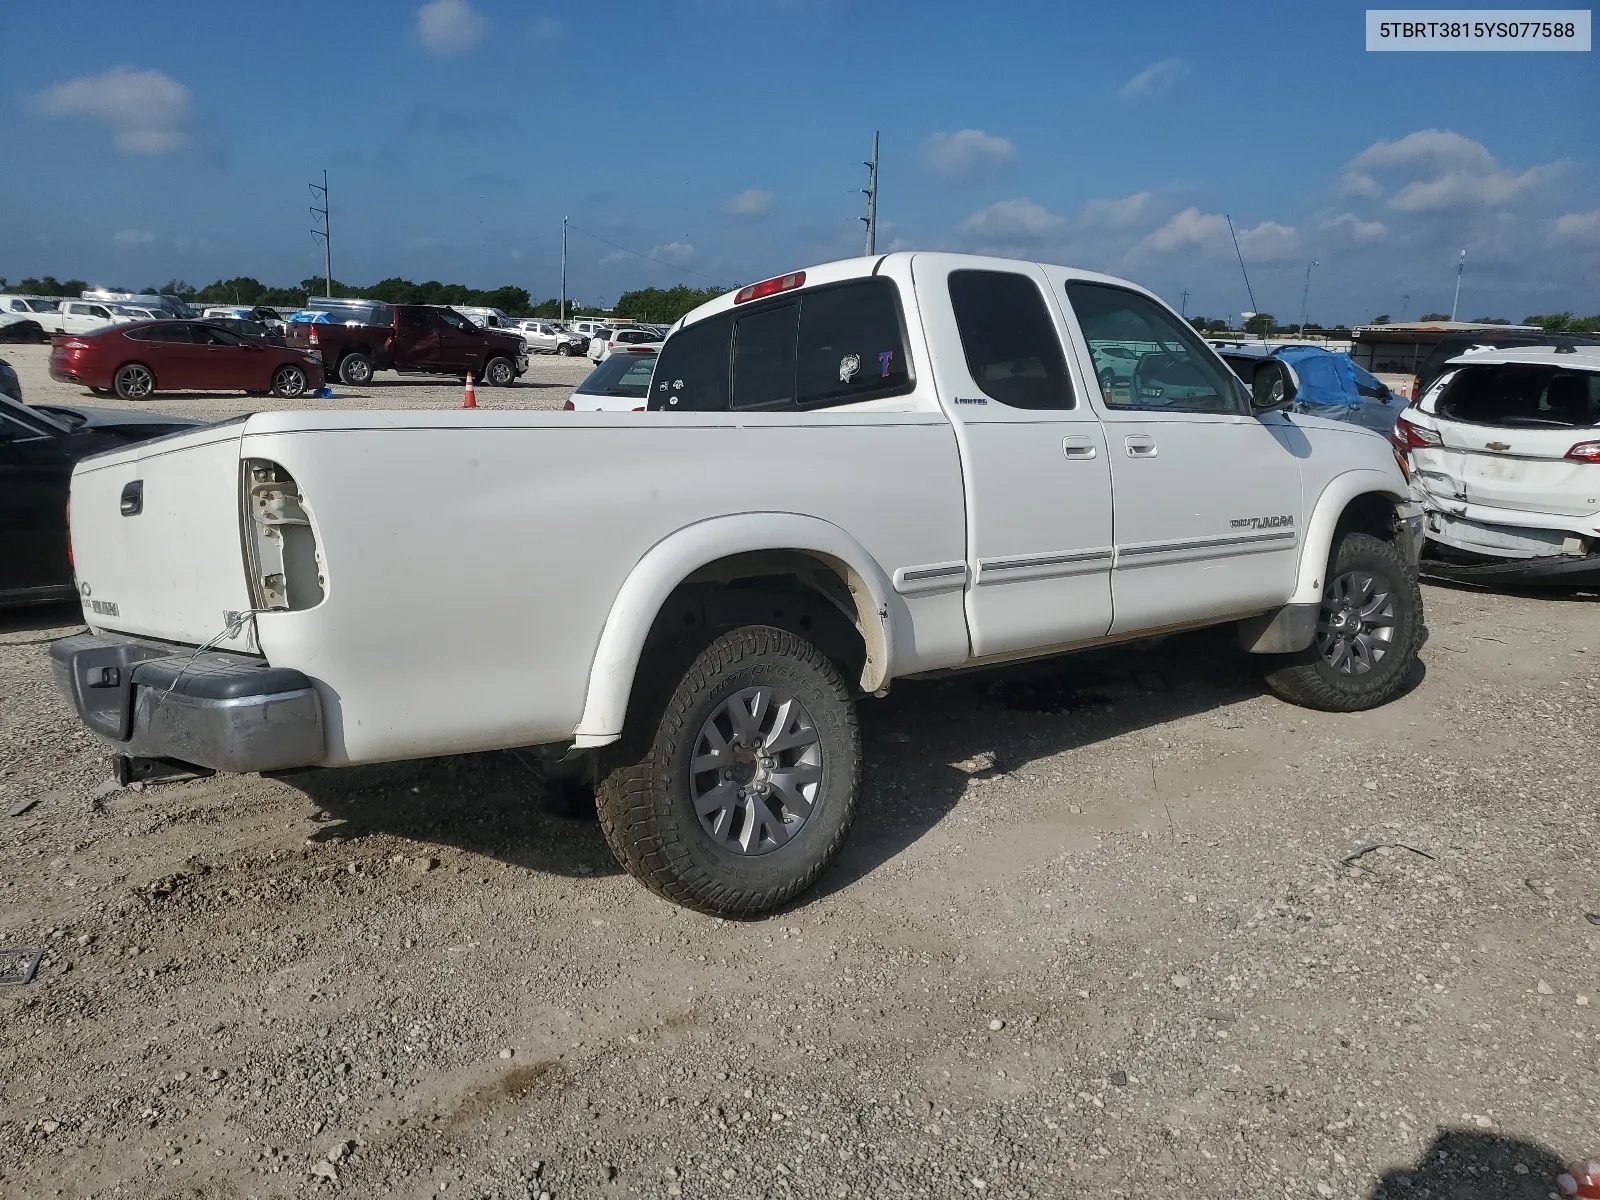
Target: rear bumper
[229,712]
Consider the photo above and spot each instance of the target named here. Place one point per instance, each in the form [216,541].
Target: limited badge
[848,366]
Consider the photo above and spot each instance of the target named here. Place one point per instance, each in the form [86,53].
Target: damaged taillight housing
[284,562]
[1407,436]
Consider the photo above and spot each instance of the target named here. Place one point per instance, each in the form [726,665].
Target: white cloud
[1438,169]
[1013,221]
[1579,227]
[1356,228]
[752,202]
[1359,183]
[1155,80]
[1462,189]
[546,29]
[1440,146]
[1123,213]
[450,26]
[967,154]
[148,112]
[676,253]
[133,237]
[1209,233]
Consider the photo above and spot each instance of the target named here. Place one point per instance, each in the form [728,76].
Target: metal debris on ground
[18,965]
[1349,860]
[22,806]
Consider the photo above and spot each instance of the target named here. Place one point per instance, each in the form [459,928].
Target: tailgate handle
[133,498]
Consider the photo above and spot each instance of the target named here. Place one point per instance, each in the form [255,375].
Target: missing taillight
[284,561]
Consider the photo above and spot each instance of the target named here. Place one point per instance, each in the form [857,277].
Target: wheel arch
[758,546]
[1363,500]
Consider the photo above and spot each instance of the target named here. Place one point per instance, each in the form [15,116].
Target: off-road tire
[644,798]
[499,372]
[1308,679]
[355,369]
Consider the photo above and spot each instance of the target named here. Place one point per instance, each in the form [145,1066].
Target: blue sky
[146,141]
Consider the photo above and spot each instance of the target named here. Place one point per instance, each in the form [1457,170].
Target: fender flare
[677,556]
[1330,506]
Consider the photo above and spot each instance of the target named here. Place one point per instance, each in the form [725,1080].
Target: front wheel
[499,372]
[734,795]
[564,350]
[1368,632]
[288,381]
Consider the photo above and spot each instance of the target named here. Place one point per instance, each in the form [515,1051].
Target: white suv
[1504,450]
[607,342]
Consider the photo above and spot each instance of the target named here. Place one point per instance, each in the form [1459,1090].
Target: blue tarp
[1331,386]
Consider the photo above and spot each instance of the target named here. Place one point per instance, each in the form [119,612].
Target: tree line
[647,304]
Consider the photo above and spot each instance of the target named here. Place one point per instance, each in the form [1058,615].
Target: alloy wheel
[1357,623]
[757,770]
[135,382]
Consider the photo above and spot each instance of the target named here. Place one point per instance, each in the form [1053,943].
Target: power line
[647,258]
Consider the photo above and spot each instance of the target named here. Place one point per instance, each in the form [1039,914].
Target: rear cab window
[834,345]
[1012,349]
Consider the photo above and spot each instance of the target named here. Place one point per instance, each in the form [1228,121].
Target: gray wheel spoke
[788,733]
[747,709]
[724,795]
[757,770]
[716,757]
[787,783]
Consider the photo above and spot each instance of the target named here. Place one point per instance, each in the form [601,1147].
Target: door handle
[1140,445]
[1078,447]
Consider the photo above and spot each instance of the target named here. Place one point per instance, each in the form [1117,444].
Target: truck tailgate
[156,538]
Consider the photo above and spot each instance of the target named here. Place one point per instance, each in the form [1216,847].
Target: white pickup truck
[867,470]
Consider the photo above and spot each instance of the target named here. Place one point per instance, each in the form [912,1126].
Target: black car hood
[137,425]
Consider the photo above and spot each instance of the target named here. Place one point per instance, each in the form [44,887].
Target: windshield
[43,305]
[620,376]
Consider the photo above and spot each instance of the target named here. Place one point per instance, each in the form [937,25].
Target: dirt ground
[1121,925]
[548,382]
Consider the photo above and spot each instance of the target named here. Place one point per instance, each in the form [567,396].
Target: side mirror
[1273,387]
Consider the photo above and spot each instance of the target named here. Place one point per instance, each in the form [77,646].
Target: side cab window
[692,369]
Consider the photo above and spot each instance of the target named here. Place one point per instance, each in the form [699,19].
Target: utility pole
[1404,301]
[1460,267]
[1184,311]
[325,229]
[1305,297]
[871,193]
[563,268]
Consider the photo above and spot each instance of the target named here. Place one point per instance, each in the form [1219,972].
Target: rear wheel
[499,372]
[356,369]
[1368,632]
[288,381]
[734,794]
[134,381]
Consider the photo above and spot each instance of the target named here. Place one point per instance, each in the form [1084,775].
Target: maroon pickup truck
[410,337]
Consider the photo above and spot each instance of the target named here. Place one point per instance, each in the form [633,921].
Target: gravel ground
[1120,925]
[547,383]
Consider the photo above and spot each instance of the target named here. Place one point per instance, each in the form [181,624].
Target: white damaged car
[1504,450]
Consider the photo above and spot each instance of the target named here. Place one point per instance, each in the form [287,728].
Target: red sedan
[136,360]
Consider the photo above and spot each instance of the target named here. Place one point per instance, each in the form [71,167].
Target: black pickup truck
[360,338]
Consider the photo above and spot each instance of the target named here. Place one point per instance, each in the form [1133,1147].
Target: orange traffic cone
[469,398]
